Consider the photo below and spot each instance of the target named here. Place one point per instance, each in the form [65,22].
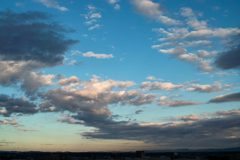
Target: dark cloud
[138,111]
[210,132]
[32,36]
[230,59]
[226,98]
[11,105]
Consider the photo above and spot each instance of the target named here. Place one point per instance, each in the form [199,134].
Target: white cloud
[113,1]
[95,26]
[90,22]
[75,52]
[205,88]
[187,12]
[91,7]
[153,78]
[183,33]
[53,4]
[96,15]
[117,6]
[100,56]
[159,85]
[181,54]
[205,54]
[152,10]
[72,62]
[67,81]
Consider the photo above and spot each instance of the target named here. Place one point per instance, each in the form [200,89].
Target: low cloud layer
[226,98]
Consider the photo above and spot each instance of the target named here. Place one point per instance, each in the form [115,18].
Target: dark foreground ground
[118,155]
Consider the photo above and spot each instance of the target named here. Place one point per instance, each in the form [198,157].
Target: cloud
[147,8]
[32,81]
[30,36]
[140,99]
[99,56]
[112,1]
[187,12]
[10,122]
[117,7]
[216,87]
[191,117]
[91,22]
[18,4]
[30,41]
[96,15]
[153,10]
[92,97]
[229,59]
[193,130]
[215,8]
[181,54]
[21,129]
[68,119]
[95,26]
[52,4]
[67,81]
[151,78]
[175,103]
[205,54]
[138,111]
[159,85]
[174,34]
[226,98]
[16,105]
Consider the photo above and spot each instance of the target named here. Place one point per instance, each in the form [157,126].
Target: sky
[119,75]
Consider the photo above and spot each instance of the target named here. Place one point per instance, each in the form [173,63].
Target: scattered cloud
[181,54]
[52,4]
[216,87]
[153,10]
[99,56]
[138,111]
[19,4]
[117,7]
[68,81]
[94,27]
[96,15]
[21,129]
[164,101]
[160,86]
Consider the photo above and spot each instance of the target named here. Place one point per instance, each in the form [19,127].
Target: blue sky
[119,75]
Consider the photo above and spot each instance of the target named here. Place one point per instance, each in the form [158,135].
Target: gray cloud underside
[226,98]
[30,41]
[229,59]
[205,132]
[30,36]
[16,105]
